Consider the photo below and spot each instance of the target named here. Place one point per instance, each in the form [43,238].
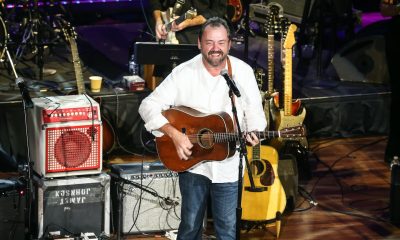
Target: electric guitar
[235,7]
[271,96]
[389,8]
[212,137]
[284,118]
[267,200]
[169,18]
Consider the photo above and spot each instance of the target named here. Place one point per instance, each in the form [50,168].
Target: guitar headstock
[67,29]
[284,23]
[293,132]
[290,39]
[274,12]
[191,13]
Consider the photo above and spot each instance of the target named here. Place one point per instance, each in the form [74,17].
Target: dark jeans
[195,190]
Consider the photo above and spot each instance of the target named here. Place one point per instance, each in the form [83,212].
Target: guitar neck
[77,67]
[230,137]
[271,65]
[288,83]
[177,21]
[256,151]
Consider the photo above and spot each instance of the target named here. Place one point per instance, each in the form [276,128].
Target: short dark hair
[215,22]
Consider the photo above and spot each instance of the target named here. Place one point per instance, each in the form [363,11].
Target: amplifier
[260,12]
[395,192]
[65,136]
[151,200]
[72,205]
[294,10]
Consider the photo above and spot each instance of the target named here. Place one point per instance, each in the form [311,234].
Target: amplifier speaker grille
[65,136]
[72,148]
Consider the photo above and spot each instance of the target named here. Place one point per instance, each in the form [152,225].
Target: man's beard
[215,62]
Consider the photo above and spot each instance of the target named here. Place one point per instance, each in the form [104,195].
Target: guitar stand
[249,225]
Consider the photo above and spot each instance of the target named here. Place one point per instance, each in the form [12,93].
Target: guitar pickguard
[270,201]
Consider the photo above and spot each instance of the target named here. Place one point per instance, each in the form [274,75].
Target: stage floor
[347,197]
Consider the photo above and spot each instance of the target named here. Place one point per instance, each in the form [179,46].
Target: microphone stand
[243,153]
[26,169]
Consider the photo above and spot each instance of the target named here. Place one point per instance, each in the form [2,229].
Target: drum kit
[27,28]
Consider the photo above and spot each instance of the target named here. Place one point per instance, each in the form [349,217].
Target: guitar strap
[230,75]
[229,67]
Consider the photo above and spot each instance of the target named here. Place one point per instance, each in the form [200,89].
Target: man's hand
[161,32]
[178,27]
[252,139]
[181,141]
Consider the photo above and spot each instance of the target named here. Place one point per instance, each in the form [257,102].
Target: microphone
[230,82]
[24,92]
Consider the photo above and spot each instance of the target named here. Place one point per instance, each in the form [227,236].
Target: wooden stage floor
[350,185]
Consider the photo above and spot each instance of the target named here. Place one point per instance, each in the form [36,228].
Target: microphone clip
[231,84]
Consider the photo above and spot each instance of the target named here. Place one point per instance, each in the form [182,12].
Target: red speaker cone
[72,148]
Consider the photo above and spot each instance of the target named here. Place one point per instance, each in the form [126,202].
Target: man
[392,39]
[198,84]
[187,31]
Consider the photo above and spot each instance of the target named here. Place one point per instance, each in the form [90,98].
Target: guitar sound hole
[206,138]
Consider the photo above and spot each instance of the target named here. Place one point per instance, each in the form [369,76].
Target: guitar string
[234,135]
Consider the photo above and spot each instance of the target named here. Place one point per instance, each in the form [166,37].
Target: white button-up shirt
[191,85]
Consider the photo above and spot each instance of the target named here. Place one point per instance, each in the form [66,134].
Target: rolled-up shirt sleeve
[252,103]
[152,106]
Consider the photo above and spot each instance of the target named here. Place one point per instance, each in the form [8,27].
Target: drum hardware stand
[33,35]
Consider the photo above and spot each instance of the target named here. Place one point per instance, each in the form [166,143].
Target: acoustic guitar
[212,137]
[267,200]
[70,36]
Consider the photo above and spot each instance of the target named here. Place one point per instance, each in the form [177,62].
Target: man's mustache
[212,52]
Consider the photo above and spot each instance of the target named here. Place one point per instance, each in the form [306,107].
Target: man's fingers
[184,153]
[252,138]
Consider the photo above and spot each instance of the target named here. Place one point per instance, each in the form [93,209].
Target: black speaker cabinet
[72,205]
[362,60]
[150,201]
[395,194]
[288,174]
